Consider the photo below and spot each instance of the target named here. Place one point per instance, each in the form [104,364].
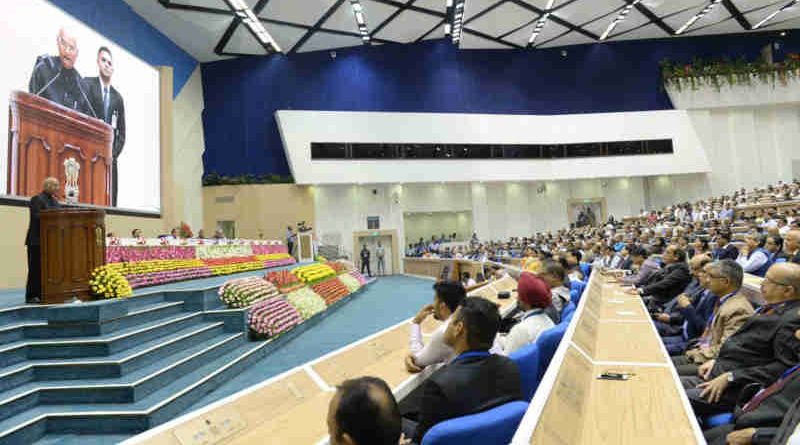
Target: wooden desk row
[291,408]
[611,331]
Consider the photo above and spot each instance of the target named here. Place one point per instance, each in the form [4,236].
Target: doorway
[388,240]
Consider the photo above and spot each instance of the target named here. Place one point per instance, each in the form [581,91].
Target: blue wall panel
[117,21]
[241,95]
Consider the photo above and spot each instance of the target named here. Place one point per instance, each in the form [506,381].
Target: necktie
[105,104]
[771,389]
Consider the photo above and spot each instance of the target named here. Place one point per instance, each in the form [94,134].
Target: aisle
[386,302]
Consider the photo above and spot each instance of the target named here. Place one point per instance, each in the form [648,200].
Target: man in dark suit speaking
[44,200]
[56,79]
[108,104]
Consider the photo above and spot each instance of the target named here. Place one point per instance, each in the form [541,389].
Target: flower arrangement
[243,292]
[337,267]
[314,273]
[284,280]
[272,317]
[718,72]
[185,231]
[306,302]
[357,275]
[107,282]
[350,283]
[331,290]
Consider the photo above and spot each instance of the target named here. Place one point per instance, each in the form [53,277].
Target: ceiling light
[361,20]
[455,15]
[772,15]
[619,19]
[246,15]
[537,28]
[698,16]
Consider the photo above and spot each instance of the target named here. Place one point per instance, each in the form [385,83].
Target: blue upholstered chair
[586,270]
[492,427]
[528,361]
[548,343]
[568,312]
[576,289]
[717,420]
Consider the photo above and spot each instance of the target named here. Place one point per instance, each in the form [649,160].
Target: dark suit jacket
[696,315]
[762,349]
[53,82]
[667,283]
[787,426]
[116,106]
[729,252]
[626,264]
[467,386]
[38,203]
[771,412]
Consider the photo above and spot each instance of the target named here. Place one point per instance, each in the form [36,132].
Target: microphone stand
[47,85]
[79,81]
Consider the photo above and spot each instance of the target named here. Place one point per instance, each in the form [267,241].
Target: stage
[384,302]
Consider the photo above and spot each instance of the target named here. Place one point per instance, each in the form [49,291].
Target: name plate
[213,428]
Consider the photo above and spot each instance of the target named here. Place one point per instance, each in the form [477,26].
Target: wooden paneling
[43,134]
[73,245]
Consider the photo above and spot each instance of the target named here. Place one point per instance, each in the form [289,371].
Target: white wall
[300,128]
[424,225]
[188,147]
[499,209]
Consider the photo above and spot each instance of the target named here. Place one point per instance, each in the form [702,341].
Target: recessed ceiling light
[709,7]
[622,15]
[246,15]
[361,20]
[537,29]
[773,14]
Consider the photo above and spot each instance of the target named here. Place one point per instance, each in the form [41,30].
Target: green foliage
[720,72]
[214,178]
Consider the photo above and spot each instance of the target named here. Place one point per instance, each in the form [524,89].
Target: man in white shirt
[448,295]
[533,296]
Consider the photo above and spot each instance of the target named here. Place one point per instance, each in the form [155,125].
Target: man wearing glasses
[731,310]
[759,352]
[56,79]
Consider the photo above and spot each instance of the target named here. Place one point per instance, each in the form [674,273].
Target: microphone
[79,81]
[47,85]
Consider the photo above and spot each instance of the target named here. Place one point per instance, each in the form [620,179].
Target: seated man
[669,281]
[758,421]
[472,382]
[725,250]
[732,310]
[363,412]
[533,296]
[447,296]
[554,276]
[759,352]
[644,264]
[669,322]
[695,310]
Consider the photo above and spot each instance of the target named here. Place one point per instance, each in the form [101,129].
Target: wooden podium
[73,245]
[42,135]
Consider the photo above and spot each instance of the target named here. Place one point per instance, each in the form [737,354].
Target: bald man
[791,245]
[56,79]
[363,412]
[45,200]
[759,352]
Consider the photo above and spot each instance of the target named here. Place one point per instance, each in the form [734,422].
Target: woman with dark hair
[699,247]
[774,246]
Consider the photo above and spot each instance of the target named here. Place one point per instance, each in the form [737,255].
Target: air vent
[223,199]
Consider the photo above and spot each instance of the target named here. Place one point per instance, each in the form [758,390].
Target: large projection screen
[38,42]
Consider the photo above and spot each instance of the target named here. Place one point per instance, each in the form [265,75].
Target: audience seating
[568,312]
[717,420]
[528,360]
[548,343]
[586,270]
[495,426]
[576,290]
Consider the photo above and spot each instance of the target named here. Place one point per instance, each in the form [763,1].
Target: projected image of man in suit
[110,107]
[56,79]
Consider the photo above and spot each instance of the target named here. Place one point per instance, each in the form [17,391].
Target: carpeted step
[115,365]
[32,349]
[126,389]
[129,418]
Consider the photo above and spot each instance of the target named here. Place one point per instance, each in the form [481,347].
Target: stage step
[151,409]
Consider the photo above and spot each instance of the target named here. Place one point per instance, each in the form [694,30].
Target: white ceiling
[199,26]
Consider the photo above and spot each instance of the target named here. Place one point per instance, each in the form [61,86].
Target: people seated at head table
[474,381]
[447,296]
